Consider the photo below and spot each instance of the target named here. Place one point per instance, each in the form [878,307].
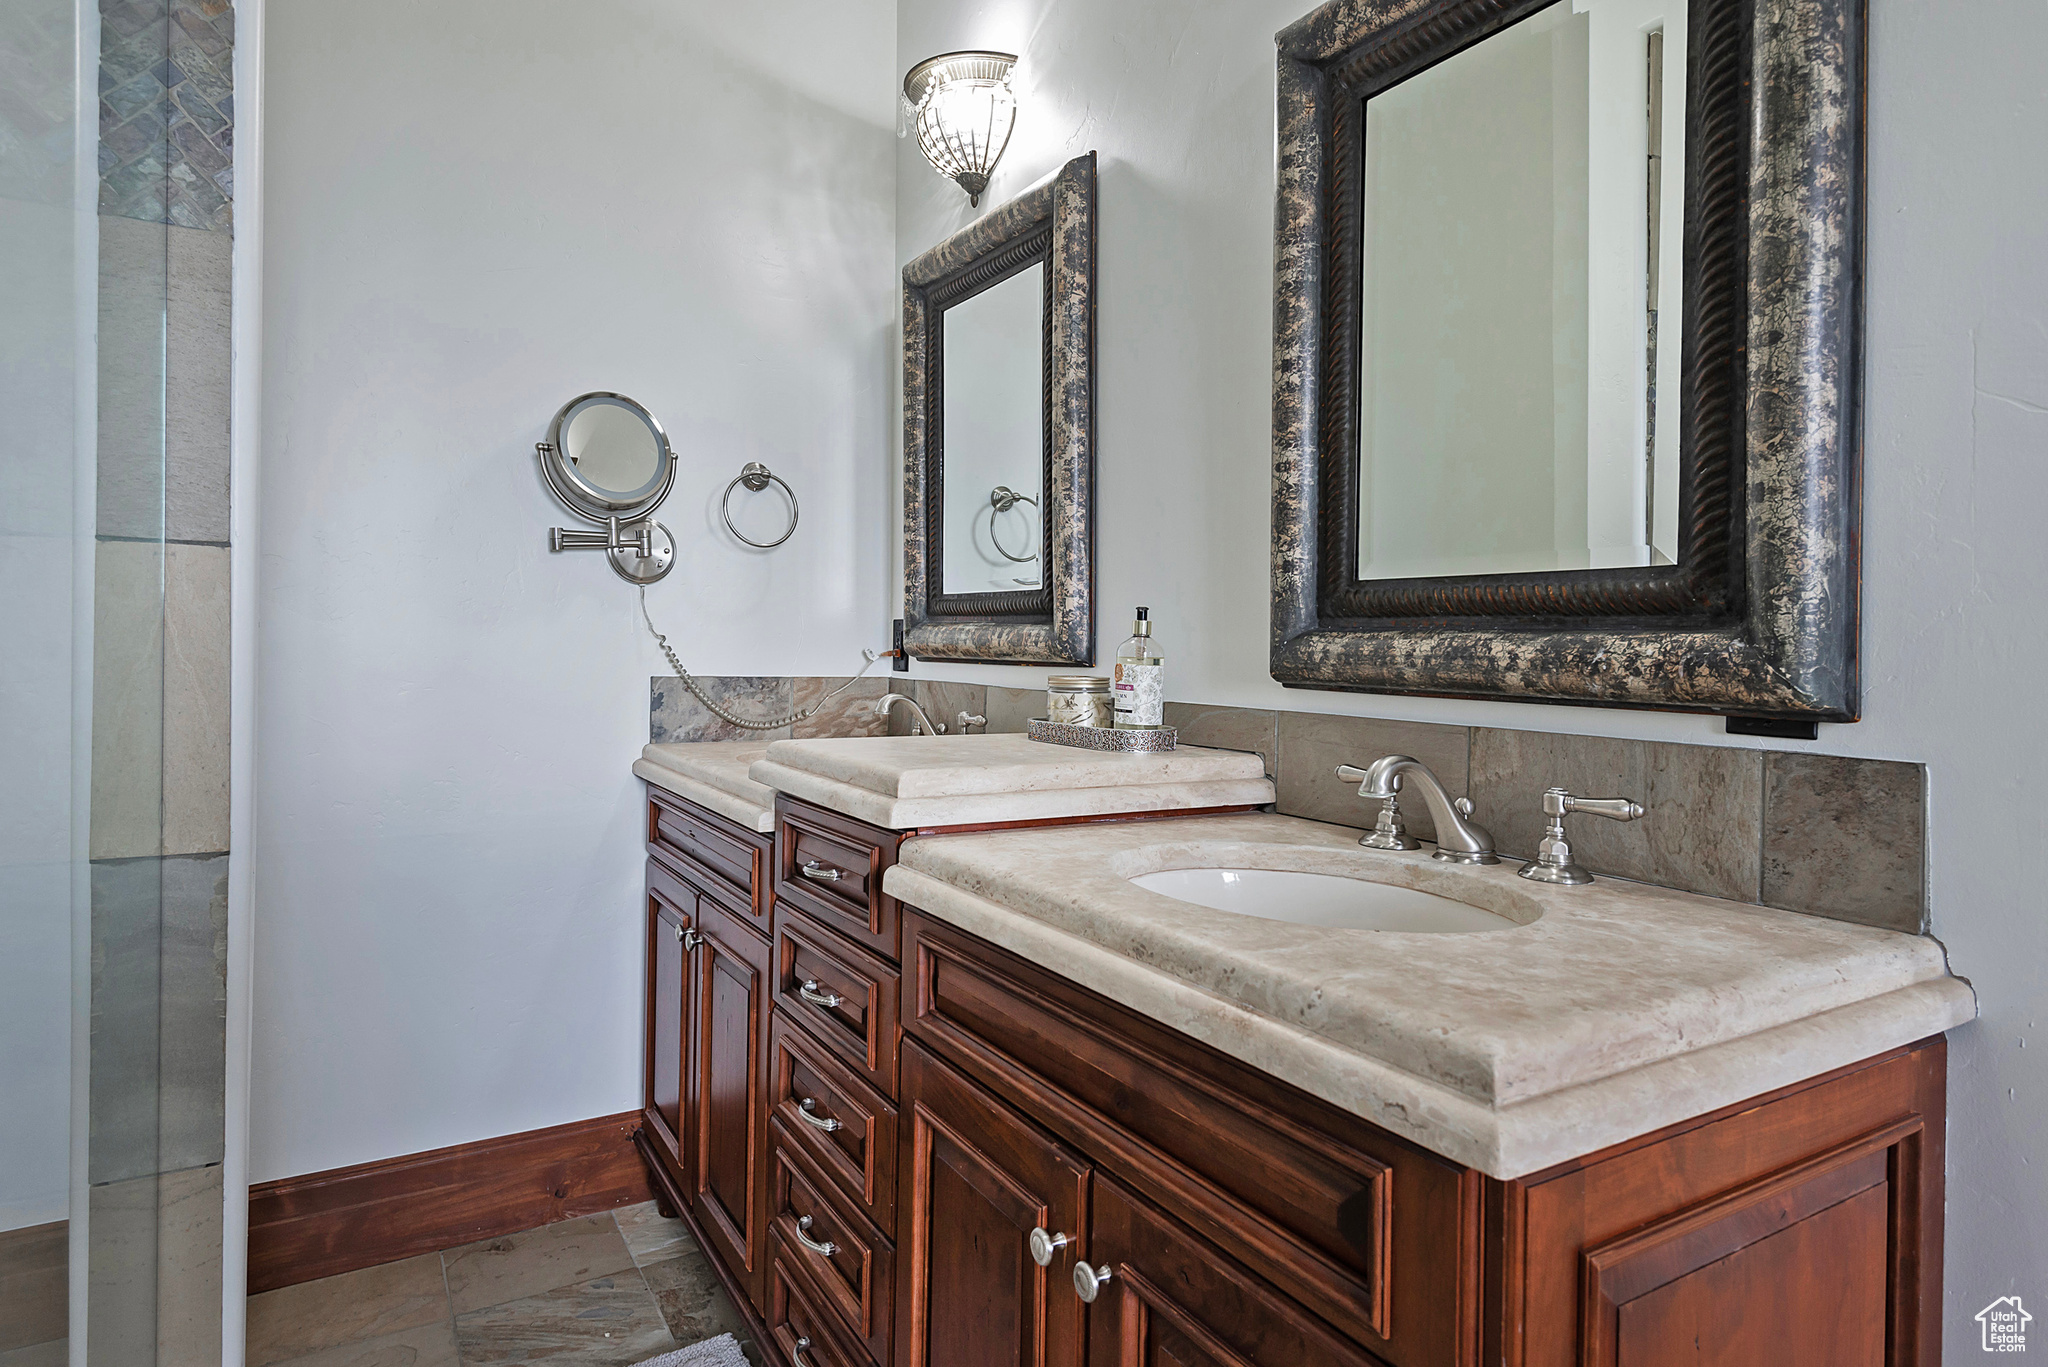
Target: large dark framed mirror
[1566,352]
[999,433]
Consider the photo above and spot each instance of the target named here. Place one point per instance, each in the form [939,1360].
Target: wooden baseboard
[326,1223]
[34,1268]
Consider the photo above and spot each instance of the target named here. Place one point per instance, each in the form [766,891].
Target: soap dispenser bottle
[1140,687]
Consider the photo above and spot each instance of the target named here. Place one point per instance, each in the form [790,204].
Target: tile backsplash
[1820,834]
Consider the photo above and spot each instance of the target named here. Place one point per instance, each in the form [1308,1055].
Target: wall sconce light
[963,109]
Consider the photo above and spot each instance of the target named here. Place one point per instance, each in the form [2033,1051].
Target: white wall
[38,344]
[1177,96]
[476,209]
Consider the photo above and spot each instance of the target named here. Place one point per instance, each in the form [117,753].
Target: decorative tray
[1101,737]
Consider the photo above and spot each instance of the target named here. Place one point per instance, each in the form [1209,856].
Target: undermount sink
[1322,899]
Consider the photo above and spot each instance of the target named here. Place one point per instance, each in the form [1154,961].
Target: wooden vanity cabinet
[671,915]
[703,1129]
[727,1050]
[854,1075]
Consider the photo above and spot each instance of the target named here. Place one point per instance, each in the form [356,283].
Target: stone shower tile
[1313,744]
[193,1012]
[134,287]
[296,1321]
[188,1271]
[1010,708]
[1703,806]
[127,700]
[159,1012]
[155,1288]
[195,402]
[1846,838]
[852,713]
[493,1271]
[651,1236]
[195,672]
[942,702]
[677,716]
[49,1353]
[607,1321]
[1229,728]
[693,1303]
[128,953]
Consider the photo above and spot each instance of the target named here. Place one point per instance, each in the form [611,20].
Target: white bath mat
[723,1351]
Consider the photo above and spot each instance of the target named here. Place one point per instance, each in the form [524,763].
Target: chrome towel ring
[757,477]
[1002,498]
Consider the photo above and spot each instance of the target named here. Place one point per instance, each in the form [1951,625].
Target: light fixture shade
[963,110]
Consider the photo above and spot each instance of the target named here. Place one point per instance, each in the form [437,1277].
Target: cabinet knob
[1044,1245]
[809,990]
[691,938]
[807,1111]
[1089,1281]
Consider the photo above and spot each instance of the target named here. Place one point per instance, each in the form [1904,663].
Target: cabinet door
[1173,1300]
[669,918]
[978,1179]
[728,1030]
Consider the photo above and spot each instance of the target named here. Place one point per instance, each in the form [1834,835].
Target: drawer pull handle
[807,1111]
[818,873]
[803,1236]
[809,990]
[1044,1245]
[796,1354]
[1089,1281]
[691,938]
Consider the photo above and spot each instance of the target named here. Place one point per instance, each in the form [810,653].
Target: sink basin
[1321,899]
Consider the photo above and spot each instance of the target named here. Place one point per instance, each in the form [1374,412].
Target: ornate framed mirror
[999,433]
[1566,352]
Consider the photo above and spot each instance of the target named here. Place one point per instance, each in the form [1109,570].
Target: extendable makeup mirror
[609,462]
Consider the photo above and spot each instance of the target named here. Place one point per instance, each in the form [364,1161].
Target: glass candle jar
[1079,700]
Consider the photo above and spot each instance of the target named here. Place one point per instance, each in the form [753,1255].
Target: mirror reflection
[994,431]
[1523,230]
[613,448]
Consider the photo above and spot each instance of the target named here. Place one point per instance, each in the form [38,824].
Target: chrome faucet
[1458,840]
[920,724]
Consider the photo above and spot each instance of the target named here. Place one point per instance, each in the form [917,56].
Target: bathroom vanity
[938,1092]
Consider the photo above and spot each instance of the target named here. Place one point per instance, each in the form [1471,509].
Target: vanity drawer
[843,995]
[712,845]
[799,1317]
[860,1153]
[1369,1232]
[858,1276]
[831,866]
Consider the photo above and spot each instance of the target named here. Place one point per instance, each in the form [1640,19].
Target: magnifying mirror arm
[610,539]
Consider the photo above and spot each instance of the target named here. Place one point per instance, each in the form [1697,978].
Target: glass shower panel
[84,946]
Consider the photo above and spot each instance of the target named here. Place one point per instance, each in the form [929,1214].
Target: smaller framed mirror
[608,461]
[998,433]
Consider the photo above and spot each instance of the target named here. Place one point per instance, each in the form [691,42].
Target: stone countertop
[1606,1012]
[713,774]
[905,782]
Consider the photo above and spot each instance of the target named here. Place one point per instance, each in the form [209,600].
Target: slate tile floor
[599,1291]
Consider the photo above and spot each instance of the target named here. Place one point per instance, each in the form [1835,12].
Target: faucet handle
[1352,774]
[1553,862]
[1388,832]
